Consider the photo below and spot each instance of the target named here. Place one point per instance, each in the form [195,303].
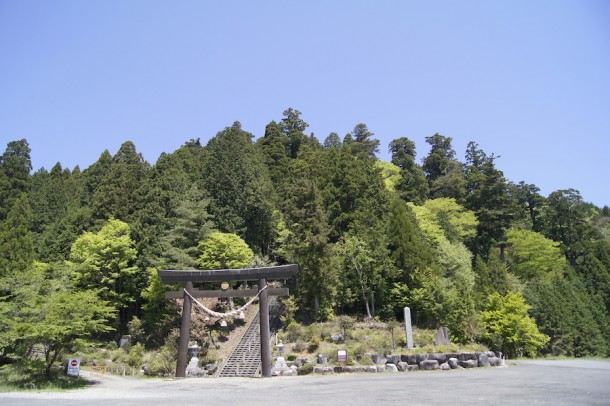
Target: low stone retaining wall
[418,362]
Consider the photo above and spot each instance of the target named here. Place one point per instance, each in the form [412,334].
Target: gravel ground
[540,382]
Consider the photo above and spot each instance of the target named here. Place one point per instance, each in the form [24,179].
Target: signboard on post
[74,366]
[341,356]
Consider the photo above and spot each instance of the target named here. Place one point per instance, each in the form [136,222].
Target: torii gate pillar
[263,302]
[185,327]
[260,274]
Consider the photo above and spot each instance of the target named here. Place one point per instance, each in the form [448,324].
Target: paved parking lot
[570,382]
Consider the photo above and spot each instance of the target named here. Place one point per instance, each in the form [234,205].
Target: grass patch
[19,378]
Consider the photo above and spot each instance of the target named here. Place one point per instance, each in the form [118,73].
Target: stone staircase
[245,359]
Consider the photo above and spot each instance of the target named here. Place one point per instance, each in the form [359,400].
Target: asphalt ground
[537,382]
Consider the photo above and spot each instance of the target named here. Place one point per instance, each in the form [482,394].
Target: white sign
[74,366]
[341,356]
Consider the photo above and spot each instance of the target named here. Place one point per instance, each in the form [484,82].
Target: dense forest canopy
[451,238]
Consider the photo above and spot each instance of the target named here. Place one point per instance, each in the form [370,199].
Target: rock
[391,368]
[410,359]
[324,370]
[421,357]
[483,361]
[453,363]
[495,361]
[465,356]
[322,359]
[490,354]
[445,367]
[338,369]
[471,363]
[412,368]
[125,341]
[378,359]
[392,359]
[428,365]
[442,337]
[440,357]
[402,366]
[380,368]
[337,338]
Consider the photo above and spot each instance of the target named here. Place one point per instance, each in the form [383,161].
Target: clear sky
[527,80]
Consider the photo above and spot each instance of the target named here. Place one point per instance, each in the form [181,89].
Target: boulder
[495,361]
[337,338]
[442,337]
[322,359]
[490,354]
[471,363]
[378,359]
[410,359]
[421,357]
[445,367]
[440,357]
[412,368]
[392,359]
[465,356]
[483,360]
[391,368]
[453,363]
[380,368]
[402,366]
[428,365]
[324,370]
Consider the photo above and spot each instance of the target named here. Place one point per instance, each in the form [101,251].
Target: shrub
[306,369]
[313,344]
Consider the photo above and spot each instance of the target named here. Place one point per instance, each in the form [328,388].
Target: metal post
[185,332]
[264,326]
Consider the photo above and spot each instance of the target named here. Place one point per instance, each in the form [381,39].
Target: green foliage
[509,328]
[390,174]
[224,251]
[412,185]
[47,310]
[119,194]
[534,256]
[237,180]
[576,322]
[458,223]
[103,263]
[26,377]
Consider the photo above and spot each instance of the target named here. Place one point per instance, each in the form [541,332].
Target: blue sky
[527,80]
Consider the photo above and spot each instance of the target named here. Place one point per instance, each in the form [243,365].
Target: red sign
[74,363]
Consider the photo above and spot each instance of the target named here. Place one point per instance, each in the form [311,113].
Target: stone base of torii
[262,275]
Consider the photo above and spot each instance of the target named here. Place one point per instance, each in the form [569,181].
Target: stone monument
[280,367]
[192,369]
[408,327]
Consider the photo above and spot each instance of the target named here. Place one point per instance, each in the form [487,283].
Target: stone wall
[418,362]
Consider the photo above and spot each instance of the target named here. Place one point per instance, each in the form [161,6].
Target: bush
[313,344]
[306,369]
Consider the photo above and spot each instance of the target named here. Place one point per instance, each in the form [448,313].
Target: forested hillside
[462,246]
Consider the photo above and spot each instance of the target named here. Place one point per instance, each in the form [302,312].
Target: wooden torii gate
[247,274]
